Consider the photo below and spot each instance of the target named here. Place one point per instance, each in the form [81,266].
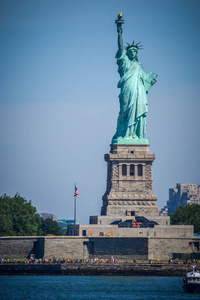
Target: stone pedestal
[129,182]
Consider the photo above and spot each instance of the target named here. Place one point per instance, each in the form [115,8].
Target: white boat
[191,282]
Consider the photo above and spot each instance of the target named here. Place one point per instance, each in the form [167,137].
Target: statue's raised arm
[134,84]
[119,23]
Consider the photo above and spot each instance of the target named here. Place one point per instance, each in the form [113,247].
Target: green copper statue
[134,85]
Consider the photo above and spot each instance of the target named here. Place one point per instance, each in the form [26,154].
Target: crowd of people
[112,260]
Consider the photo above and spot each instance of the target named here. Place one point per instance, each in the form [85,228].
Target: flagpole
[74,205]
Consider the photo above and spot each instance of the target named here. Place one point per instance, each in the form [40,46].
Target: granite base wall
[73,247]
[21,247]
[120,248]
[102,247]
[83,248]
[166,248]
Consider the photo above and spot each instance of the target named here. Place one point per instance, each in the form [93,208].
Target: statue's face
[132,53]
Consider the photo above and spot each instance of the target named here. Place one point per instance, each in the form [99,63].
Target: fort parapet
[139,248]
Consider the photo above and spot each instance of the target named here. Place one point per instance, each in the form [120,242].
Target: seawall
[100,269]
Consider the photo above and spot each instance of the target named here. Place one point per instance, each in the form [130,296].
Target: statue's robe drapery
[134,85]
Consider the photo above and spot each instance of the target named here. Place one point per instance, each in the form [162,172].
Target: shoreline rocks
[95,269]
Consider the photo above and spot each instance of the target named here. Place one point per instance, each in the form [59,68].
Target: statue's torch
[119,20]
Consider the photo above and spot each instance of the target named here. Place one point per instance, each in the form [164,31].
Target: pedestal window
[124,170]
[140,170]
[132,170]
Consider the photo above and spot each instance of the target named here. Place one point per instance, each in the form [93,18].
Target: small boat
[191,282]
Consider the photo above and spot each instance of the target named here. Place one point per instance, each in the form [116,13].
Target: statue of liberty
[134,85]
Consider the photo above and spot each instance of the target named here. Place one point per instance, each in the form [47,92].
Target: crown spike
[137,46]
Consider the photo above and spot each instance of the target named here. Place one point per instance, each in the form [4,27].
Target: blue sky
[59,96]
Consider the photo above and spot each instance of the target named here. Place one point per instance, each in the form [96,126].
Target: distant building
[164,211]
[63,223]
[182,194]
[45,216]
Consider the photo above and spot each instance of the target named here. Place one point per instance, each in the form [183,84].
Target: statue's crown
[133,45]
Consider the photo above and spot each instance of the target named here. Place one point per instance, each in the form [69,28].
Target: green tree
[49,226]
[18,217]
[187,215]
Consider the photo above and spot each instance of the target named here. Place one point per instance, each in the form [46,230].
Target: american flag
[76,193]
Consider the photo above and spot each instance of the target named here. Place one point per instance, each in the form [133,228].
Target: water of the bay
[92,287]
